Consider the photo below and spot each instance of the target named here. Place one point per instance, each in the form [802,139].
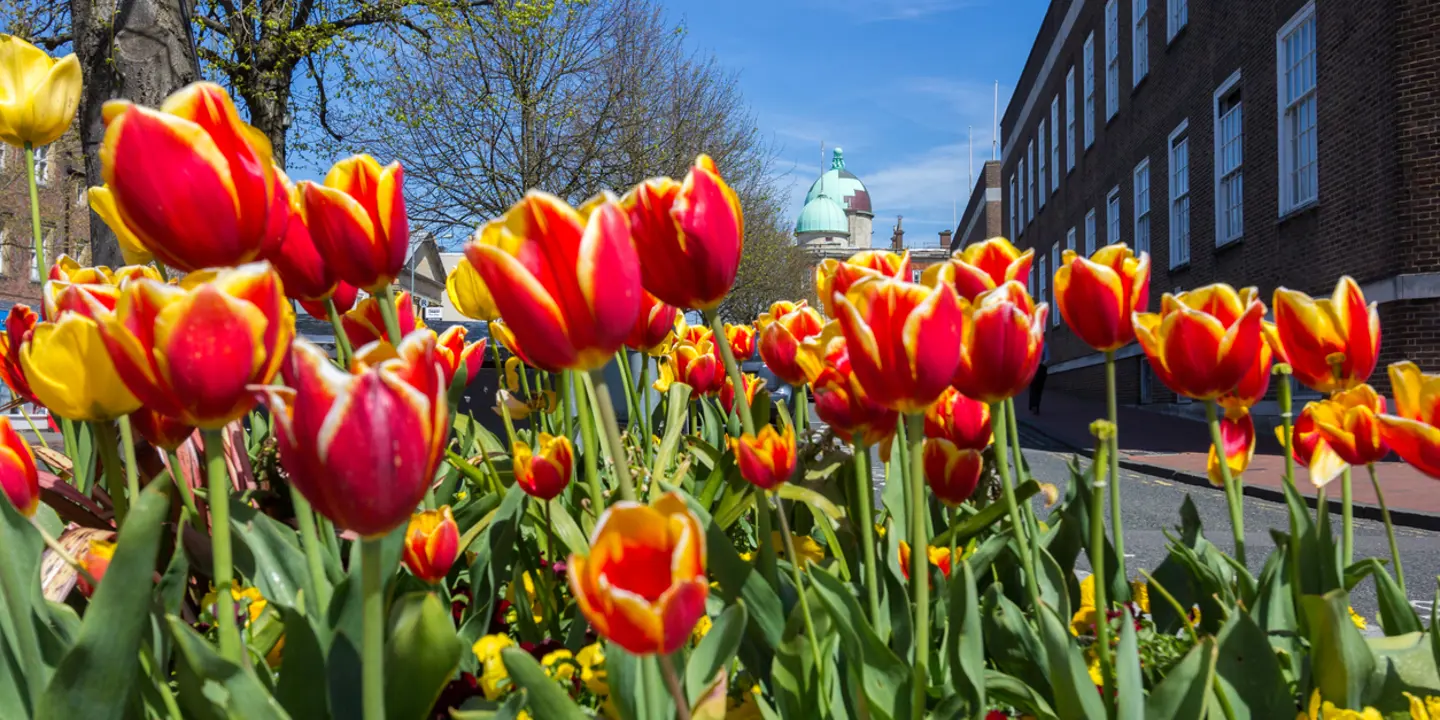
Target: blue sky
[896,83]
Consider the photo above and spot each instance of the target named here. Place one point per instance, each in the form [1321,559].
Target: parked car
[780,392]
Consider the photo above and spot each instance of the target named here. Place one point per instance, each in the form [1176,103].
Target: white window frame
[42,165]
[1044,277]
[1070,119]
[1224,232]
[1112,59]
[1293,111]
[1055,254]
[1034,201]
[1023,199]
[1070,240]
[1177,16]
[1139,41]
[1141,181]
[1055,144]
[1179,231]
[1090,233]
[1090,91]
[1112,216]
[1040,174]
[1014,206]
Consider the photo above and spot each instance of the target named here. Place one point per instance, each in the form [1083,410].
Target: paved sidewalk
[1175,448]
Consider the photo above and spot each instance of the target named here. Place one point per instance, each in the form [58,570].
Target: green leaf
[710,702]
[96,677]
[237,689]
[1012,691]
[1054,591]
[566,529]
[21,604]
[645,696]
[1249,672]
[791,491]
[272,557]
[739,579]
[1397,615]
[1129,683]
[676,404]
[1075,695]
[1011,643]
[1183,694]
[1403,663]
[1275,607]
[421,654]
[302,669]
[989,515]
[716,650]
[965,645]
[882,677]
[1340,659]
[543,695]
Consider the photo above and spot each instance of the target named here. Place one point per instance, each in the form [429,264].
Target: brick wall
[64,216]
[981,216]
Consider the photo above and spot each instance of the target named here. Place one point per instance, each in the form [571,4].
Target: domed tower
[845,189]
[822,224]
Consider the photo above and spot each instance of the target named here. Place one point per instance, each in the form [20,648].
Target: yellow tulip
[468,293]
[103,203]
[70,371]
[38,96]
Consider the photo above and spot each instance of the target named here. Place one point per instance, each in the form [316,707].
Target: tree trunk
[140,50]
[269,105]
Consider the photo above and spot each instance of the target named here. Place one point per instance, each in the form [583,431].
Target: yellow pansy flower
[591,659]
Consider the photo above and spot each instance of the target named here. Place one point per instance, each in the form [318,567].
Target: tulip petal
[208,349]
[1415,442]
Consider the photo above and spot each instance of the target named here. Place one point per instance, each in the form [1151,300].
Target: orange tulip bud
[432,542]
[962,421]
[1414,430]
[96,561]
[782,329]
[456,356]
[1348,421]
[742,340]
[566,281]
[643,585]
[357,220]
[884,321]
[751,384]
[1202,342]
[1332,343]
[1004,337]
[982,267]
[19,324]
[951,471]
[18,477]
[840,400]
[1238,437]
[653,326]
[544,473]
[190,350]
[160,430]
[766,460]
[362,446]
[689,236]
[833,276]
[939,558]
[1097,297]
[219,176]
[1310,450]
[365,324]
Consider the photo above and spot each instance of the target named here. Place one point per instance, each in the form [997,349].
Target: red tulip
[362,446]
[1414,430]
[432,542]
[1238,437]
[741,339]
[1004,337]
[833,276]
[766,460]
[162,431]
[840,400]
[1203,341]
[344,298]
[1332,343]
[694,365]
[951,471]
[304,273]
[1252,387]
[782,329]
[1348,421]
[455,355]
[544,472]
[1098,297]
[751,384]
[982,267]
[357,221]
[96,561]
[653,326]
[18,477]
[962,421]
[364,324]
[884,322]
[18,326]
[1310,450]
[689,236]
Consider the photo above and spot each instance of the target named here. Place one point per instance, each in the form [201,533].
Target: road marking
[1162,482]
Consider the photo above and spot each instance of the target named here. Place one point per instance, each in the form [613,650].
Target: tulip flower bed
[240,524]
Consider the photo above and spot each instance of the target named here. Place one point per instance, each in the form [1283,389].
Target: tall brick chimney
[945,238]
[897,240]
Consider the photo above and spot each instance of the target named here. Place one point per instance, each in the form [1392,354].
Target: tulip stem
[919,562]
[31,422]
[795,576]
[187,494]
[567,391]
[373,634]
[672,681]
[224,571]
[109,446]
[1347,517]
[1233,496]
[1007,487]
[1286,418]
[865,524]
[387,312]
[622,358]
[1112,414]
[1012,422]
[310,540]
[646,450]
[40,266]
[343,351]
[132,469]
[1097,565]
[1389,527]
[589,441]
[732,368]
[615,445]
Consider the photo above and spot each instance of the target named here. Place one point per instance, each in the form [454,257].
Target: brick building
[983,211]
[64,214]
[1256,142]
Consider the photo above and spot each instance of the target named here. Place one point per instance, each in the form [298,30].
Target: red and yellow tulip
[782,329]
[961,420]
[982,267]
[162,431]
[1310,450]
[1413,431]
[939,557]
[1331,343]
[306,275]
[64,358]
[456,356]
[884,321]
[220,176]
[191,350]
[951,471]
[1349,422]
[40,94]
[432,542]
[1253,385]
[362,446]
[96,561]
[365,324]
[19,324]
[102,201]
[833,276]
[751,384]
[1238,437]
[344,298]
[566,281]
[69,270]
[1202,342]
[692,364]
[766,460]
[689,236]
[1099,296]
[18,477]
[544,472]
[643,585]
[840,400]
[741,339]
[469,295]
[653,326]
[1003,341]
[358,222]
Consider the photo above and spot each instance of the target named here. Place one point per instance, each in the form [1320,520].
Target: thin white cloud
[929,188]
[884,10]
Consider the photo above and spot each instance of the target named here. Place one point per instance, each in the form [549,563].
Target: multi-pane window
[1112,216]
[1040,174]
[1180,195]
[1090,233]
[1055,144]
[1090,90]
[1055,264]
[1177,14]
[1295,62]
[1024,200]
[1140,41]
[42,165]
[1229,156]
[1014,204]
[1070,120]
[1142,206]
[1034,196]
[1112,58]
[1070,240]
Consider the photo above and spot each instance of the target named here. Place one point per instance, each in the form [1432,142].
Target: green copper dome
[842,186]
[823,216]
